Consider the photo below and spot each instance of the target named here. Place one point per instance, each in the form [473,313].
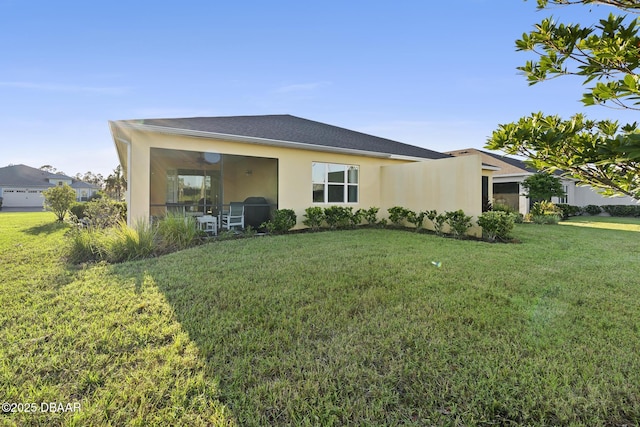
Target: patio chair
[235,216]
[208,224]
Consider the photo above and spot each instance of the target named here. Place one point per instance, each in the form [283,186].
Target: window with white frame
[334,183]
[565,198]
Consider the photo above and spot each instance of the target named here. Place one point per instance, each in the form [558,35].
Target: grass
[347,327]
[622,223]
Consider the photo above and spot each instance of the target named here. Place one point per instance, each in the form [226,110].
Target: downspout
[127,197]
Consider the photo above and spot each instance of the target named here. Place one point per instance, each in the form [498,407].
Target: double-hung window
[334,183]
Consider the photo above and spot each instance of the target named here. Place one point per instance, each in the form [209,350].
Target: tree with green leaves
[543,186]
[91,178]
[51,169]
[59,199]
[605,55]
[115,184]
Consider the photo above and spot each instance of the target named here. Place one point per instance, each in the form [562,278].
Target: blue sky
[436,74]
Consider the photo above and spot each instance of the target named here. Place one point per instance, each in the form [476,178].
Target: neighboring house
[508,190]
[22,186]
[271,162]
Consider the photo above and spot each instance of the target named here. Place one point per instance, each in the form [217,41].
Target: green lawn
[628,224]
[348,327]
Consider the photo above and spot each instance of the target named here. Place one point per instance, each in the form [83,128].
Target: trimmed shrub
[416,218]
[437,220]
[356,217]
[592,209]
[314,217]
[397,215]
[371,215]
[622,210]
[103,213]
[568,210]
[77,209]
[338,216]
[504,208]
[283,221]
[458,222]
[496,225]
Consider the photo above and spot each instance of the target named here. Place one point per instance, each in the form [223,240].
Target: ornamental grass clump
[177,232]
[131,243]
[113,244]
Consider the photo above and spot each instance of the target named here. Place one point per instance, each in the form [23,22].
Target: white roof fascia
[264,141]
[513,175]
[401,157]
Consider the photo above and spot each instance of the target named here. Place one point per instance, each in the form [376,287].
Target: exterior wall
[584,196]
[294,170]
[577,195]
[444,185]
[254,177]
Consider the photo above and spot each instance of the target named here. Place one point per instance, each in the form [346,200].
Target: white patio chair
[235,216]
[208,224]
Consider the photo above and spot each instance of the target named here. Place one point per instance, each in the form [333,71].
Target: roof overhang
[490,167]
[125,125]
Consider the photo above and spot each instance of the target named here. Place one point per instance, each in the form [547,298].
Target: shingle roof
[296,130]
[26,176]
[22,175]
[519,165]
[513,162]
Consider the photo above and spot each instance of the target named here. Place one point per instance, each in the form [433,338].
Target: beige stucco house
[271,162]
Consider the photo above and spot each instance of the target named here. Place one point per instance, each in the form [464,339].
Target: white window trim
[346,184]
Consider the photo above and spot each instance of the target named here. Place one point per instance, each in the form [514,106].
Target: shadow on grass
[154,292]
[381,337]
[45,229]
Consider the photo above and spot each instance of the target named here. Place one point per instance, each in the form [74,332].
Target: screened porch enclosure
[199,183]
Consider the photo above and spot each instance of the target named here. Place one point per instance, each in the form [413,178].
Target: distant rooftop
[25,176]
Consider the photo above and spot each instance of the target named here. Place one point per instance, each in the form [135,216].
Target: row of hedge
[496,225]
[613,210]
[101,234]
